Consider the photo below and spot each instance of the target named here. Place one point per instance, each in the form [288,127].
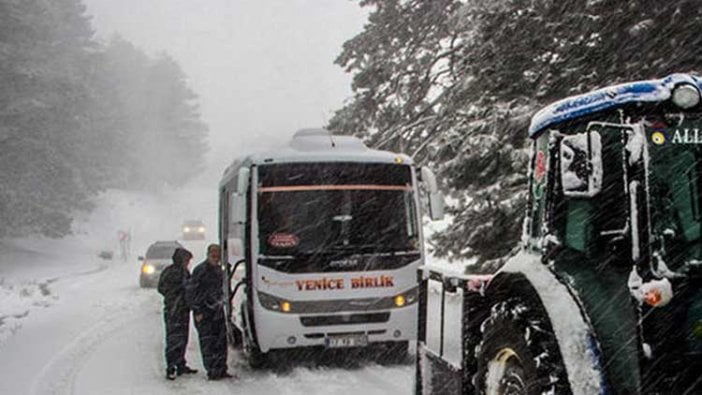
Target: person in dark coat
[206,298]
[176,313]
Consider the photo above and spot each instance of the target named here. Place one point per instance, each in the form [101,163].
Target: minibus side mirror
[237,200]
[243,180]
[436,199]
[237,206]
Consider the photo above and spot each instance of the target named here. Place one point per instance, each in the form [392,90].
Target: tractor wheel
[519,353]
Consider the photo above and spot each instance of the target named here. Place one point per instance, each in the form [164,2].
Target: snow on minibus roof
[319,145]
[606,98]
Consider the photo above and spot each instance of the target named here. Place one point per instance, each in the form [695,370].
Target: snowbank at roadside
[16,301]
[28,266]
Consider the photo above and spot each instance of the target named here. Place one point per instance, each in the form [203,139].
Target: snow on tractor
[605,293]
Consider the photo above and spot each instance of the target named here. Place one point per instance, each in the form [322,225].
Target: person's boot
[171,373]
[185,369]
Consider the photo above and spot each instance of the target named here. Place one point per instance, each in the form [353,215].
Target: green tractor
[605,293]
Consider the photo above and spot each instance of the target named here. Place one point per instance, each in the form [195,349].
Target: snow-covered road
[75,324]
[103,334]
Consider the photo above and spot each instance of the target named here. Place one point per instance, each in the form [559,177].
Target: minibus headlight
[270,302]
[412,296]
[400,300]
[285,307]
[148,269]
[406,298]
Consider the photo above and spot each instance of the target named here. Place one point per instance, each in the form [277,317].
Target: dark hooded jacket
[172,284]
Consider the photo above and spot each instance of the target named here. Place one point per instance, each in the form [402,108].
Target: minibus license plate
[346,341]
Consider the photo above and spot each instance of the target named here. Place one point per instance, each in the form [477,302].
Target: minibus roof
[318,145]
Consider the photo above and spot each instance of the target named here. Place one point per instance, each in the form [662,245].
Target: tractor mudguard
[524,276]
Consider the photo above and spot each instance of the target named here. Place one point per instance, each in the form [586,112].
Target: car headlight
[686,96]
[271,302]
[186,229]
[201,229]
[148,269]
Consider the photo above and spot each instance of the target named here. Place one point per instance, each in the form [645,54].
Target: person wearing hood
[176,313]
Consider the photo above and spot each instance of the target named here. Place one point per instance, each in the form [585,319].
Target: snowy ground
[71,322]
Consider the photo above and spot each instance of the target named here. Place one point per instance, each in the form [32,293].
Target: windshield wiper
[376,249]
[354,247]
[279,257]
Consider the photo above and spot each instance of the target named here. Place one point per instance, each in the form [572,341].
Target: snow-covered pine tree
[76,119]
[42,115]
[156,115]
[176,123]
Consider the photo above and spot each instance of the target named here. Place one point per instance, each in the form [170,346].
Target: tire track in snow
[59,373]
[115,309]
[101,267]
[390,383]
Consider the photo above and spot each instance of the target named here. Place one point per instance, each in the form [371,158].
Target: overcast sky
[262,68]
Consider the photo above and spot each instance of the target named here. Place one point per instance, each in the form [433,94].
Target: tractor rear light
[653,297]
[657,293]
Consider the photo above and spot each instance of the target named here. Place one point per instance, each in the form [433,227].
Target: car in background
[193,229]
[158,256]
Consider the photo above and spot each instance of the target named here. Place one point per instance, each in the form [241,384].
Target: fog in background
[262,68]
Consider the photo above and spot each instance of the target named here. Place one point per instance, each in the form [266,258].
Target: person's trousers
[213,342]
[177,328]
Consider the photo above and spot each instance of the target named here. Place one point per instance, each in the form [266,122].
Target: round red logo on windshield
[283,240]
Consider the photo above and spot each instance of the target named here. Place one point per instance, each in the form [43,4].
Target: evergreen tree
[174,119]
[42,104]
[156,115]
[76,119]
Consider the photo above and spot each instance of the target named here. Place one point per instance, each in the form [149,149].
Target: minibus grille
[345,319]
